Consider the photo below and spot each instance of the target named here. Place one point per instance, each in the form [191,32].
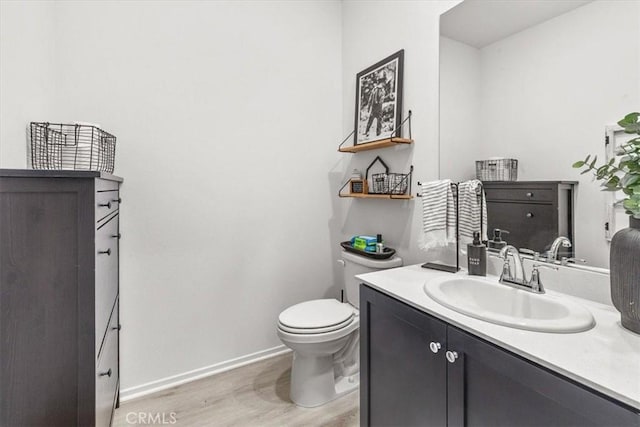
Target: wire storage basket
[71,147]
[497,170]
[389,183]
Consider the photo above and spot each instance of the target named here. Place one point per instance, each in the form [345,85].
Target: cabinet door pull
[529,195]
[435,346]
[118,200]
[105,374]
[117,236]
[451,356]
[105,205]
[529,215]
[107,252]
[117,328]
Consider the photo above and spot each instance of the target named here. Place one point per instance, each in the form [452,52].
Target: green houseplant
[625,245]
[625,175]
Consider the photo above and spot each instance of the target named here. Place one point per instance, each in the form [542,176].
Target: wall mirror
[541,82]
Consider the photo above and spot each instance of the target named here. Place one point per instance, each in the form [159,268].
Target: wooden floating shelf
[383,143]
[378,196]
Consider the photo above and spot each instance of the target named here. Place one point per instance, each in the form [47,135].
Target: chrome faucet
[552,254]
[517,277]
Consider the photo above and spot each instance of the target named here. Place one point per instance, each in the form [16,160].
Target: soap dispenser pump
[497,242]
[477,257]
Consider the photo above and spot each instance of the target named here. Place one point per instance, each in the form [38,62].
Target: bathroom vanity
[59,318]
[425,364]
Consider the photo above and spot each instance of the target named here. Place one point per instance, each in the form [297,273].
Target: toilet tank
[356,264]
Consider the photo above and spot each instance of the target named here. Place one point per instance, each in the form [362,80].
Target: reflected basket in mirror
[497,170]
[389,183]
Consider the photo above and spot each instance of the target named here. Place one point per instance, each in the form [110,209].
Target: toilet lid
[317,314]
[313,331]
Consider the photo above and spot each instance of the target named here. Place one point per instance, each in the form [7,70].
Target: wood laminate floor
[253,395]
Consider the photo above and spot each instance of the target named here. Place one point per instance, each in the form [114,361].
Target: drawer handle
[117,328]
[529,215]
[451,356]
[529,195]
[117,236]
[435,346]
[118,200]
[105,374]
[105,205]
[107,252]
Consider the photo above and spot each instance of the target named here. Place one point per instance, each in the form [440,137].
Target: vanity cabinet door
[489,386]
[403,382]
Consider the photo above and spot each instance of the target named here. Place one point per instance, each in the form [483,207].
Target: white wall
[228,118]
[227,115]
[459,109]
[546,94]
[549,91]
[26,78]
[372,30]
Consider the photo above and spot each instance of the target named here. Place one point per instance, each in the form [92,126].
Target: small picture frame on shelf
[379,100]
[358,186]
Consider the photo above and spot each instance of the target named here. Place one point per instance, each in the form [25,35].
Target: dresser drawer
[107,373]
[530,225]
[107,202]
[520,194]
[106,275]
[107,198]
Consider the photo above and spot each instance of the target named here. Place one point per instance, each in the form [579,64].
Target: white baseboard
[174,380]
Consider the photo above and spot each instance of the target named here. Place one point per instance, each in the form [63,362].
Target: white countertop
[605,358]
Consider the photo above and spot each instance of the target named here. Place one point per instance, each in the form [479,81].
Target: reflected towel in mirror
[472,199]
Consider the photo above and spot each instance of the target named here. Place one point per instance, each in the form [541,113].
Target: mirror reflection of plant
[625,175]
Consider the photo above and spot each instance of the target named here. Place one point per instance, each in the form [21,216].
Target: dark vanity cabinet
[417,370]
[59,311]
[534,212]
[401,380]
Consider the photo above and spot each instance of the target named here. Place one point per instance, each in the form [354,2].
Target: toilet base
[313,383]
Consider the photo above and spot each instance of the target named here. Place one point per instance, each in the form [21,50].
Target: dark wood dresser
[534,212]
[59,287]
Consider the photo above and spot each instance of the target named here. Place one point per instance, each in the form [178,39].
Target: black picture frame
[379,100]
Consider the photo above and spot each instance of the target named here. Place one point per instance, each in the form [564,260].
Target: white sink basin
[486,299]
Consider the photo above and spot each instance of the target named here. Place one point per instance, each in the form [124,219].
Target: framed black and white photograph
[379,100]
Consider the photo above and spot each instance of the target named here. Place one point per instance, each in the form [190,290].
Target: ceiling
[479,23]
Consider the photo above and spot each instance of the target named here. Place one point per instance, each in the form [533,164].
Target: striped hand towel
[470,198]
[438,214]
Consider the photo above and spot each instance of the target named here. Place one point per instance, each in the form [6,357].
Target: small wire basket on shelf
[77,146]
[389,183]
[497,170]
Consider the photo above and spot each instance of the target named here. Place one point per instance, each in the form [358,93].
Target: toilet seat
[316,317]
[310,338]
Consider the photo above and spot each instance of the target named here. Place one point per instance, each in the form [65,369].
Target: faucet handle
[565,261]
[506,270]
[536,282]
[534,254]
[551,267]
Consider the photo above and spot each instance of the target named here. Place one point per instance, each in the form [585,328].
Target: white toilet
[324,337]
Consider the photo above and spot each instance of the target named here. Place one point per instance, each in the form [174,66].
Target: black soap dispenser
[477,257]
[497,242]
